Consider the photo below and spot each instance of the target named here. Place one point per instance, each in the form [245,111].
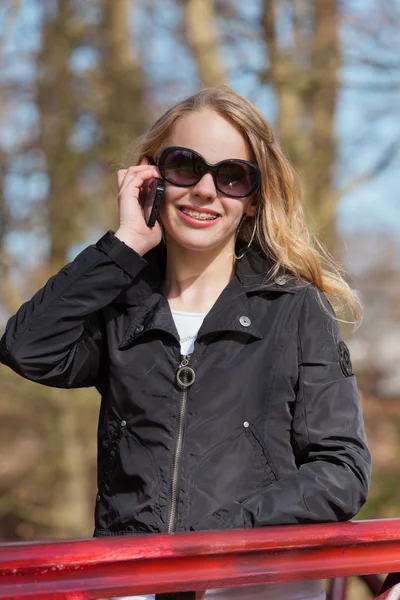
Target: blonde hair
[281,232]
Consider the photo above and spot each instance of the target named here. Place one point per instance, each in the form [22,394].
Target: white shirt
[188,325]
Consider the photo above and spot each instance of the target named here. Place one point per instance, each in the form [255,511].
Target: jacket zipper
[185,377]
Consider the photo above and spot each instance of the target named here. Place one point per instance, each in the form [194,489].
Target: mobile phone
[151,195]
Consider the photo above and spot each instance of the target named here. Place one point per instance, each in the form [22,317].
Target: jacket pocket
[262,451]
[231,471]
[108,453]
[132,479]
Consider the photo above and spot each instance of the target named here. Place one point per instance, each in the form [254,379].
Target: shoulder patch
[345,360]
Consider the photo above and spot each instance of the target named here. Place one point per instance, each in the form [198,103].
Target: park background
[80,81]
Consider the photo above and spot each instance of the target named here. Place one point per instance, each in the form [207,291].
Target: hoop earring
[251,238]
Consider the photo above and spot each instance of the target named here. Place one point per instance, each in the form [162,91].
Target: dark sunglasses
[184,167]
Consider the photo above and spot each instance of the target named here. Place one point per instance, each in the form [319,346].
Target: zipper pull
[185,375]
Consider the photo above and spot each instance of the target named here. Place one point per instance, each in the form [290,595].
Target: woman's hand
[132,226]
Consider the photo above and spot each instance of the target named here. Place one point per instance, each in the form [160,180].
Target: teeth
[201,216]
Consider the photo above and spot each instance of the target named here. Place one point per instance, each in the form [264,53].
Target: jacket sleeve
[334,466]
[56,337]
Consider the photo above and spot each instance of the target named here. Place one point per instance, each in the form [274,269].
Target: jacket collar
[232,311]
[253,270]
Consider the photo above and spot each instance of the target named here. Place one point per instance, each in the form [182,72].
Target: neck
[194,280]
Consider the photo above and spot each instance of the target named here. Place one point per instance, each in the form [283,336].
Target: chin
[197,245]
[199,241]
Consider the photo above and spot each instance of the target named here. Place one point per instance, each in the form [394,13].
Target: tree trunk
[123,114]
[3,222]
[305,81]
[201,35]
[323,197]
[57,108]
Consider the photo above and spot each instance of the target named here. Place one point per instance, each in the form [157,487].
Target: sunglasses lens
[237,179]
[181,167]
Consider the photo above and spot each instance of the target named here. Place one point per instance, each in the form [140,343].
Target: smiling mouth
[200,216]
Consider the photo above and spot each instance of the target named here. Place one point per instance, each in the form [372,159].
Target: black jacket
[265,429]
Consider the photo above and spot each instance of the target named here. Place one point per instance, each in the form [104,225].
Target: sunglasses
[183,167]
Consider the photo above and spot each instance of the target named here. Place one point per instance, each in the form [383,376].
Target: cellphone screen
[150,200]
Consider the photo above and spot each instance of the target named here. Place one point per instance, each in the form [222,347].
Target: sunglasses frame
[213,169]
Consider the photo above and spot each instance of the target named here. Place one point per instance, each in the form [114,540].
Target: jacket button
[246,424]
[123,423]
[98,497]
[245,321]
[139,328]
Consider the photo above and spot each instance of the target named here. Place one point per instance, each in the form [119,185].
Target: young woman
[228,399]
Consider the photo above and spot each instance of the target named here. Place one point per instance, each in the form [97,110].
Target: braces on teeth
[200,216]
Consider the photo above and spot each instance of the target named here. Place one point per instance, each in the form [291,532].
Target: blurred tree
[3,208]
[5,289]
[200,26]
[57,104]
[374,59]
[122,110]
[303,70]
[110,105]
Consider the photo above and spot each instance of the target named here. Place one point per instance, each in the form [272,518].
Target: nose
[205,188]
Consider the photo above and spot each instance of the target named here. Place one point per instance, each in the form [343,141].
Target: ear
[144,161]
[251,208]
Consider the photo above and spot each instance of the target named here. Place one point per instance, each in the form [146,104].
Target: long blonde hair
[280,227]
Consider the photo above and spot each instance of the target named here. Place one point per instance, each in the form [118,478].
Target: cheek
[172,194]
[237,209]
[168,198]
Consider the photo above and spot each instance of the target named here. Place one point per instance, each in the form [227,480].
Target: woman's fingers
[136,176]
[122,173]
[133,229]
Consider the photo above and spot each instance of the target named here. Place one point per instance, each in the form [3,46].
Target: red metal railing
[105,567]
